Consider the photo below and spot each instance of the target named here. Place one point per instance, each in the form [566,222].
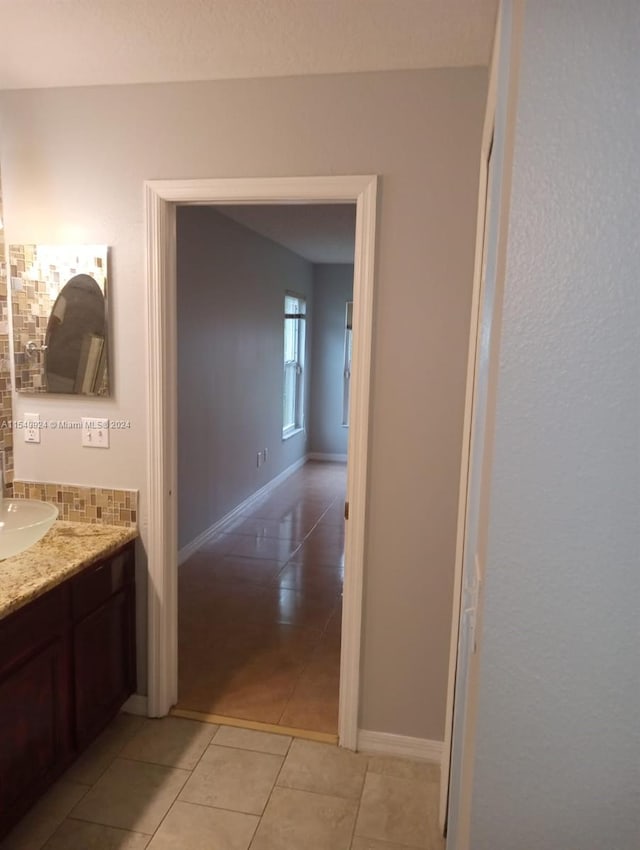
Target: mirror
[59,313]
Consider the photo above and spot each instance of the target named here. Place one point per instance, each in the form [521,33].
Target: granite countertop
[66,549]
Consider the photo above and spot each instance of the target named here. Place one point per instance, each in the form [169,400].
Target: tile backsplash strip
[31,303]
[95,505]
[6,414]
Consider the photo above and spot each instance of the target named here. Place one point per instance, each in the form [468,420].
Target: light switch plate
[31,427]
[95,433]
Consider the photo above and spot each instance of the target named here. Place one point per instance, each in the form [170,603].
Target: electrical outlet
[31,427]
[265,455]
[95,433]
[259,460]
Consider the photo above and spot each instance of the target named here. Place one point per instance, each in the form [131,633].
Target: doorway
[264,330]
[162,197]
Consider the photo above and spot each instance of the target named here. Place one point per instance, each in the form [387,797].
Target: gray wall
[333,287]
[231,287]
[558,736]
[73,163]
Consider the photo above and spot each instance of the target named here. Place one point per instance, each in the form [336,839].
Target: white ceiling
[321,233]
[49,43]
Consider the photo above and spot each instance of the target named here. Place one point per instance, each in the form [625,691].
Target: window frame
[290,429]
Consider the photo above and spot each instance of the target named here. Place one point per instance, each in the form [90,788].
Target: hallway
[260,608]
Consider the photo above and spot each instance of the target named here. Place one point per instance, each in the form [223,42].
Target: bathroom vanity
[67,653]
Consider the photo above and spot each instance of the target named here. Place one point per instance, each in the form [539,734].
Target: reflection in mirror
[59,312]
[74,344]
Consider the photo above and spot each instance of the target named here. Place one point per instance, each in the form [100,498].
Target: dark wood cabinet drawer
[34,626]
[94,586]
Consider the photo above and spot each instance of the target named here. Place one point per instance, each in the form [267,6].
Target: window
[348,347]
[295,308]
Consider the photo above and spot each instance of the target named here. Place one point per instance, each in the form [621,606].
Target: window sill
[291,434]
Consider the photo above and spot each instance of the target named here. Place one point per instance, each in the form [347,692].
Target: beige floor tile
[311,706]
[97,758]
[171,741]
[405,768]
[80,835]
[132,795]
[313,580]
[189,827]
[295,820]
[257,570]
[399,810]
[267,528]
[270,548]
[324,769]
[223,672]
[234,779]
[220,544]
[249,674]
[45,817]
[248,739]
[372,844]
[292,607]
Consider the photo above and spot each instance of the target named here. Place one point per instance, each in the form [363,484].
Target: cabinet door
[102,653]
[35,743]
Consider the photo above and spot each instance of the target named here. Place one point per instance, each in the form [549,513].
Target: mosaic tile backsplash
[6,415]
[96,505]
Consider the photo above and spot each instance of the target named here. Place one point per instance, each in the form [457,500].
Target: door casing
[477,449]
[160,199]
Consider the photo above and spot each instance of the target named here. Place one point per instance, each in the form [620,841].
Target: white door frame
[161,199]
[490,261]
[481,235]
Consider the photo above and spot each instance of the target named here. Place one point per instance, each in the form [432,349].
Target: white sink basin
[22,523]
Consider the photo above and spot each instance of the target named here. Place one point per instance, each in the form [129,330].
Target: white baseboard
[136,704]
[386,744]
[331,458]
[187,551]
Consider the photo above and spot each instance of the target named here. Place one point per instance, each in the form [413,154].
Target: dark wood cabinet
[67,664]
[35,732]
[101,657]
[103,608]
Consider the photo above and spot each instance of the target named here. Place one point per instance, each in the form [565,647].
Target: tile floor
[176,784]
[260,608]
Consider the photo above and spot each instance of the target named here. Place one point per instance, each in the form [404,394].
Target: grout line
[173,802]
[155,764]
[109,826]
[264,809]
[292,690]
[64,818]
[355,820]
[160,763]
[248,749]
[215,809]
[116,752]
[317,793]
[307,665]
